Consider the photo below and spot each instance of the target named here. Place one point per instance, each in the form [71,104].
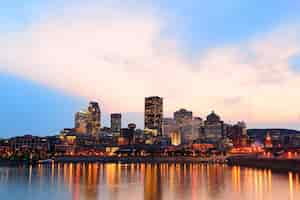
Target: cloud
[118,55]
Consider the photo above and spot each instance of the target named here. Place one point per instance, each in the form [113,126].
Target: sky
[240,58]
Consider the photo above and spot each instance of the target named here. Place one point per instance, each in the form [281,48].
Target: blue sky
[202,22]
[29,106]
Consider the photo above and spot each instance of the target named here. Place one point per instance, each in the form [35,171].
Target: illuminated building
[29,142]
[175,138]
[149,135]
[202,147]
[126,136]
[213,127]
[94,118]
[280,137]
[238,135]
[88,122]
[5,148]
[198,128]
[169,126]
[116,123]
[183,119]
[186,133]
[268,141]
[139,136]
[154,113]
[189,128]
[72,143]
[81,122]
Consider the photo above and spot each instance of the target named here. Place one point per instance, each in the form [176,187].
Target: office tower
[238,135]
[171,130]
[183,116]
[116,123]
[213,127]
[94,118]
[81,122]
[185,124]
[154,114]
[169,126]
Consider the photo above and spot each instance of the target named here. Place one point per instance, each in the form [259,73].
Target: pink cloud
[119,56]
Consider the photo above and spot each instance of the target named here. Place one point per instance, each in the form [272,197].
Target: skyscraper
[184,122]
[213,127]
[169,126]
[154,113]
[171,130]
[183,116]
[116,123]
[81,122]
[94,118]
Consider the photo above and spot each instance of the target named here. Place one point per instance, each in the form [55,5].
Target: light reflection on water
[145,181]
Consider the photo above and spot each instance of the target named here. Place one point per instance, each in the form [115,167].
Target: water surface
[145,181]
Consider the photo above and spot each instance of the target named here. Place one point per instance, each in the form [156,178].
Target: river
[91,181]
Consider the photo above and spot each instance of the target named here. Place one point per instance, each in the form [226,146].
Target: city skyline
[55,57]
[89,120]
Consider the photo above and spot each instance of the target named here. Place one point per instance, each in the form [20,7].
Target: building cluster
[182,134]
[88,121]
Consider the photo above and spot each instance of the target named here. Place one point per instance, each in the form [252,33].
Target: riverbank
[10,163]
[128,160]
[275,164]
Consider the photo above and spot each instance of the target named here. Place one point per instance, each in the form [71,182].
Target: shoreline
[122,160]
[11,163]
[129,160]
[274,164]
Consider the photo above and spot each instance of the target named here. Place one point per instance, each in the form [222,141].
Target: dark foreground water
[145,181]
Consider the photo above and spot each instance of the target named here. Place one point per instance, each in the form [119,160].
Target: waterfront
[145,181]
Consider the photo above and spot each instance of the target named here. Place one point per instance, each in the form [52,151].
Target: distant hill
[259,134]
[272,130]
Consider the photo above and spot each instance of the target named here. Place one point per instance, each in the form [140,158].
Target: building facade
[189,127]
[169,126]
[238,134]
[183,116]
[154,114]
[81,122]
[29,142]
[88,121]
[94,118]
[116,123]
[213,127]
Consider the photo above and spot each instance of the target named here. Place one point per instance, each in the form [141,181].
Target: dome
[213,117]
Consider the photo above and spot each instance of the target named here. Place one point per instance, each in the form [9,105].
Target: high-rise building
[154,114]
[183,116]
[197,129]
[81,122]
[238,134]
[116,123]
[189,128]
[213,127]
[169,126]
[94,119]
